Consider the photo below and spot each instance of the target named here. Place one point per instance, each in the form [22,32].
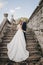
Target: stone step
[27,47]
[30,49]
[31,37]
[7,30]
[31,41]
[31,52]
[10,38]
[6,37]
[12,31]
[3,54]
[1,50]
[34,57]
[3,44]
[3,47]
[7,40]
[3,57]
[31,58]
[9,35]
[34,52]
[28,43]
[31,44]
[29,33]
[10,28]
[28,38]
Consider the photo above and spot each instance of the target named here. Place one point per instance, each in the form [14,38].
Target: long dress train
[17,47]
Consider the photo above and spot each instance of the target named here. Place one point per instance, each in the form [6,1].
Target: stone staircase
[8,35]
[32,46]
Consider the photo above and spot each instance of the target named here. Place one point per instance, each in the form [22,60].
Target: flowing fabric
[17,47]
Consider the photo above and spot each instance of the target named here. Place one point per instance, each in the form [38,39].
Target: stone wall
[36,23]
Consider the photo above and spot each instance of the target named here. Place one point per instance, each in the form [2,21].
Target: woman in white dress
[17,47]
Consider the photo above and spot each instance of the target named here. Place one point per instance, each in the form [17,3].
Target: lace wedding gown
[17,47]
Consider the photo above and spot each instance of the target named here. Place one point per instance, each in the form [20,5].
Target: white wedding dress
[17,47]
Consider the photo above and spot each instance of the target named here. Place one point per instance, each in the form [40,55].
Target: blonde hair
[19,21]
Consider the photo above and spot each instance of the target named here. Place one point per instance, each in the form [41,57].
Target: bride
[17,47]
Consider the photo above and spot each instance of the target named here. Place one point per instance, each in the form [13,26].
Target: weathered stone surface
[36,23]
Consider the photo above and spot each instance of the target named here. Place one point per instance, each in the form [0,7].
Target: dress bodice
[19,26]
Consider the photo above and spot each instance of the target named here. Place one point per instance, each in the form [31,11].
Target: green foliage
[24,19]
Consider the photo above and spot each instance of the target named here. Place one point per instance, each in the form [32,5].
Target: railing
[2,28]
